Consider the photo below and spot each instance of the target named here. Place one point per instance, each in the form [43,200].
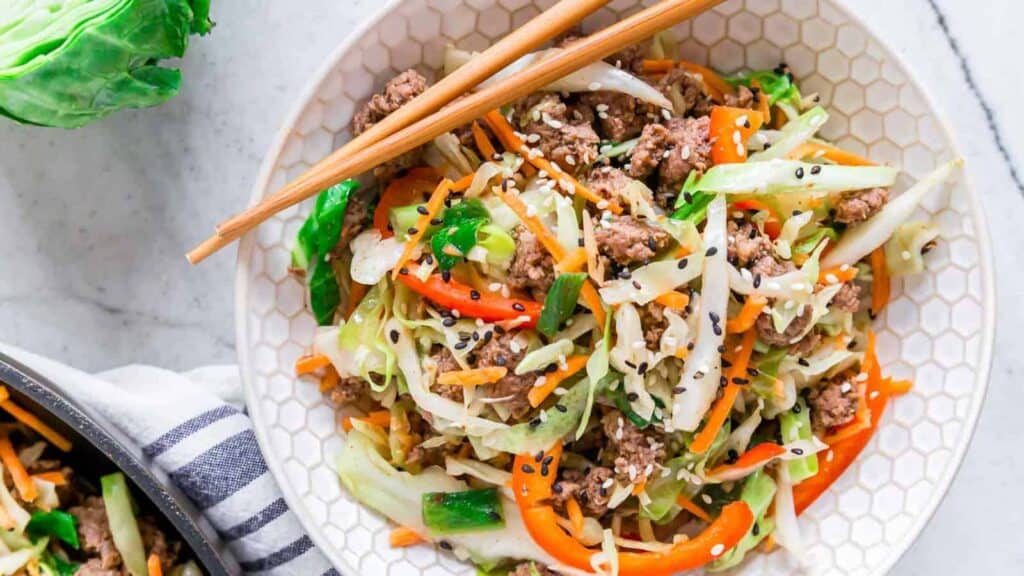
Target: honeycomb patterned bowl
[937,331]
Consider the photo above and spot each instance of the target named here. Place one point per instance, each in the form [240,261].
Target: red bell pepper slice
[834,461]
[403,191]
[470,302]
[730,130]
[748,462]
[532,478]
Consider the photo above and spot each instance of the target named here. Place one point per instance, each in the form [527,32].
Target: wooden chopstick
[338,167]
[556,20]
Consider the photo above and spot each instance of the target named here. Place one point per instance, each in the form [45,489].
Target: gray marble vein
[94,223]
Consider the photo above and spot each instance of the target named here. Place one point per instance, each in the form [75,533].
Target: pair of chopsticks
[422,120]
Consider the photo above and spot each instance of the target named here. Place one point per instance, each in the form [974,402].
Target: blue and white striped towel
[194,428]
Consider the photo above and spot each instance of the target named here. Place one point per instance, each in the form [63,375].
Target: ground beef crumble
[857,206]
[620,117]
[531,569]
[848,298]
[502,350]
[401,90]
[746,243]
[637,452]
[767,333]
[627,240]
[532,269]
[834,403]
[567,136]
[607,181]
[591,490]
[675,149]
[654,322]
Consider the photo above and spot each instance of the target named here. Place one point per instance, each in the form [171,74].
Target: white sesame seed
[632,473]
[594,86]
[666,114]
[873,395]
[531,211]
[601,107]
[514,347]
[649,470]
[798,286]
[456,313]
[706,498]
[717,550]
[830,456]
[861,377]
[831,278]
[560,392]
[540,381]
[570,160]
[544,416]
[844,267]
[666,154]
[741,150]
[607,483]
[742,121]
[602,204]
[906,255]
[533,138]
[505,291]
[602,115]
[846,387]
[685,152]
[736,137]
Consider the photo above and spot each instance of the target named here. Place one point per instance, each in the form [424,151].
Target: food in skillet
[56,521]
[620,326]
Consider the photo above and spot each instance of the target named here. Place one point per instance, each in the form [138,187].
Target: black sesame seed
[711,251]
[800,173]
[436,221]
[637,285]
[551,368]
[756,529]
[460,345]
[740,381]
[494,515]
[679,389]
[539,457]
[753,371]
[803,362]
[732,456]
[501,360]
[474,295]
[394,336]
[499,330]
[796,408]
[682,263]
[642,368]
[698,375]
[487,336]
[476,336]
[448,322]
[798,451]
[403,271]
[721,348]
[652,244]
[717,329]
[688,197]
[544,470]
[445,545]
[851,345]
[715,318]
[579,242]
[548,460]
[561,408]
[723,381]
[625,274]
[632,396]
[518,307]
[527,469]
[413,230]
[535,422]
[631,365]
[557,488]
[422,210]
[446,275]
[815,170]
[757,280]
[726,363]
[690,346]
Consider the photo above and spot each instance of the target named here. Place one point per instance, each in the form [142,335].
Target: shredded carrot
[403,537]
[311,363]
[769,544]
[356,294]
[55,477]
[683,252]
[483,143]
[434,206]
[837,275]
[717,87]
[462,184]
[691,507]
[658,66]
[574,261]
[673,300]
[380,418]
[572,508]
[16,469]
[475,377]
[639,488]
[682,352]
[748,315]
[30,420]
[898,387]
[500,126]
[330,380]
[538,394]
[153,566]
[837,155]
[4,394]
[593,301]
[533,224]
[723,406]
[880,285]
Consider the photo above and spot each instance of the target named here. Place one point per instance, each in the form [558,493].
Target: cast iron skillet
[99,449]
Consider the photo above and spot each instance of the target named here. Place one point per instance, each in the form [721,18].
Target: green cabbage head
[66,63]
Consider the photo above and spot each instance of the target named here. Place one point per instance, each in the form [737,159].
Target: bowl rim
[102,436]
[979,219]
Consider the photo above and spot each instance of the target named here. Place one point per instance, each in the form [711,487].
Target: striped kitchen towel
[193,427]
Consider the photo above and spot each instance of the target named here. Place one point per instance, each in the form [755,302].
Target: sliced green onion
[560,303]
[467,511]
[56,523]
[796,425]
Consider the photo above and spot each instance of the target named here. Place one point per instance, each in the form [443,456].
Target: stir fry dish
[57,521]
[621,326]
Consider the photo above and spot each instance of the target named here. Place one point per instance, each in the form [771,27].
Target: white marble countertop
[94,223]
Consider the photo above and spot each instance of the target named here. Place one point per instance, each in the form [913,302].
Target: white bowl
[937,331]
